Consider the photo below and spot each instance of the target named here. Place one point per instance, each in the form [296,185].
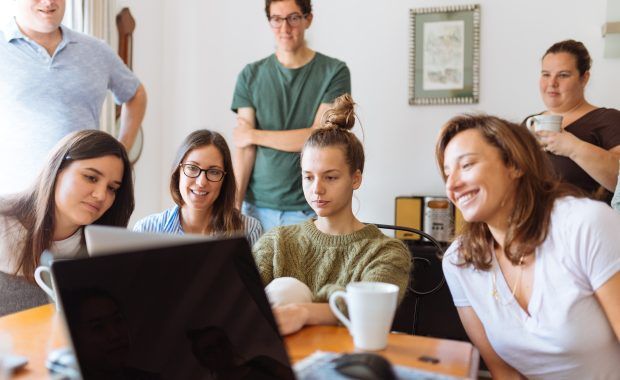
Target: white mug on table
[371,307]
[47,286]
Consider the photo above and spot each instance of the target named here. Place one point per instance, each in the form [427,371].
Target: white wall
[207,43]
[6,10]
[147,64]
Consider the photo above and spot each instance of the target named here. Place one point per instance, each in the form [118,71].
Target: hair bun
[342,115]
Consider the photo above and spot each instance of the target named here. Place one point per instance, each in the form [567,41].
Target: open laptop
[102,240]
[186,311]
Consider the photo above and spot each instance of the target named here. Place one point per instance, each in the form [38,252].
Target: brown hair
[35,207]
[577,50]
[535,192]
[304,5]
[225,218]
[335,131]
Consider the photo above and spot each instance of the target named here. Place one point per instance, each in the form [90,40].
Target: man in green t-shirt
[279,100]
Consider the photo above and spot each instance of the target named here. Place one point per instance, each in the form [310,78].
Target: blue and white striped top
[169,221]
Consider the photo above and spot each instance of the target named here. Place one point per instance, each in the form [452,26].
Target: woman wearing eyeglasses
[202,185]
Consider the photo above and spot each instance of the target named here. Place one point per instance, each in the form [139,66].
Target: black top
[600,127]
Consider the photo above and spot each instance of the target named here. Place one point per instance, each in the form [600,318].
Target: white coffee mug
[50,290]
[371,307]
[550,123]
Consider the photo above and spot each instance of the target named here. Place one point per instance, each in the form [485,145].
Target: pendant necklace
[515,288]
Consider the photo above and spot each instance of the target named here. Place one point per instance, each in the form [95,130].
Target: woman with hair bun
[587,156]
[304,264]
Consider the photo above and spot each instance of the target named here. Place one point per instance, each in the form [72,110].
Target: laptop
[103,240]
[192,310]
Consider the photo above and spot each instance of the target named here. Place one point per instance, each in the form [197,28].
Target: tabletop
[448,357]
[35,332]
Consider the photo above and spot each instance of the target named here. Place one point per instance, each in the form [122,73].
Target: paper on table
[320,366]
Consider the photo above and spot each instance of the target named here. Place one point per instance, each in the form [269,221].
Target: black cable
[432,240]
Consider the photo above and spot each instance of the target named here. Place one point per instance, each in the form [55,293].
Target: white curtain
[98,19]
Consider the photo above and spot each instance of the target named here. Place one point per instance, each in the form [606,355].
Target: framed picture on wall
[444,59]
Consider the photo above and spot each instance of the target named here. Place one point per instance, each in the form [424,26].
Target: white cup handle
[37,277]
[529,123]
[334,307]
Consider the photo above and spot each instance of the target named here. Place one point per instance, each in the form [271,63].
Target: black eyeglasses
[293,20]
[193,171]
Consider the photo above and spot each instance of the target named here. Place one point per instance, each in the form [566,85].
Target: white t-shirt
[11,231]
[615,202]
[566,335]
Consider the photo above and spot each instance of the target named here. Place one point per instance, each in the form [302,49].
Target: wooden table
[459,359]
[37,331]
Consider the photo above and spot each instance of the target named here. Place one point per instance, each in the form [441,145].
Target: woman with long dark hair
[87,180]
[202,184]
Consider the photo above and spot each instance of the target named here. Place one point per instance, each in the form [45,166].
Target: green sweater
[327,263]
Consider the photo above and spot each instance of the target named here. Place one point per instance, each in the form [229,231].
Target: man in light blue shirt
[53,82]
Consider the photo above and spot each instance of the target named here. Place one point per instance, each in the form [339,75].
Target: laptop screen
[192,311]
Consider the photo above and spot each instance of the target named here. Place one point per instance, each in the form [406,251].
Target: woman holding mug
[315,258]
[87,180]
[587,156]
[535,273]
[202,184]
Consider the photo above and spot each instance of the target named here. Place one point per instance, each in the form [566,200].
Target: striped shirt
[169,221]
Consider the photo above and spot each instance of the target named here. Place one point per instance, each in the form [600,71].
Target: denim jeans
[270,217]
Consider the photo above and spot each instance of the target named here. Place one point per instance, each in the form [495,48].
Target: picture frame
[444,57]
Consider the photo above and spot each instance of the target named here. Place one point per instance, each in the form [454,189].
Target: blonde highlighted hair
[535,193]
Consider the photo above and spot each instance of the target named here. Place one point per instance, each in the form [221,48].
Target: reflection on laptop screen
[194,311]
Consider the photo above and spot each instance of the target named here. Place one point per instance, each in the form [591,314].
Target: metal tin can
[438,218]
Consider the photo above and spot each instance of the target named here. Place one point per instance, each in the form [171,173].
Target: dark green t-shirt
[285,99]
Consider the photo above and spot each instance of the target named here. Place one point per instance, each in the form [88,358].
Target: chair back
[427,308]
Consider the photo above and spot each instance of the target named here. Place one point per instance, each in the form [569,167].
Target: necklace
[515,288]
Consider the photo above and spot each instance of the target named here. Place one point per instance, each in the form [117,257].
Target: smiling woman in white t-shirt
[87,180]
[535,273]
